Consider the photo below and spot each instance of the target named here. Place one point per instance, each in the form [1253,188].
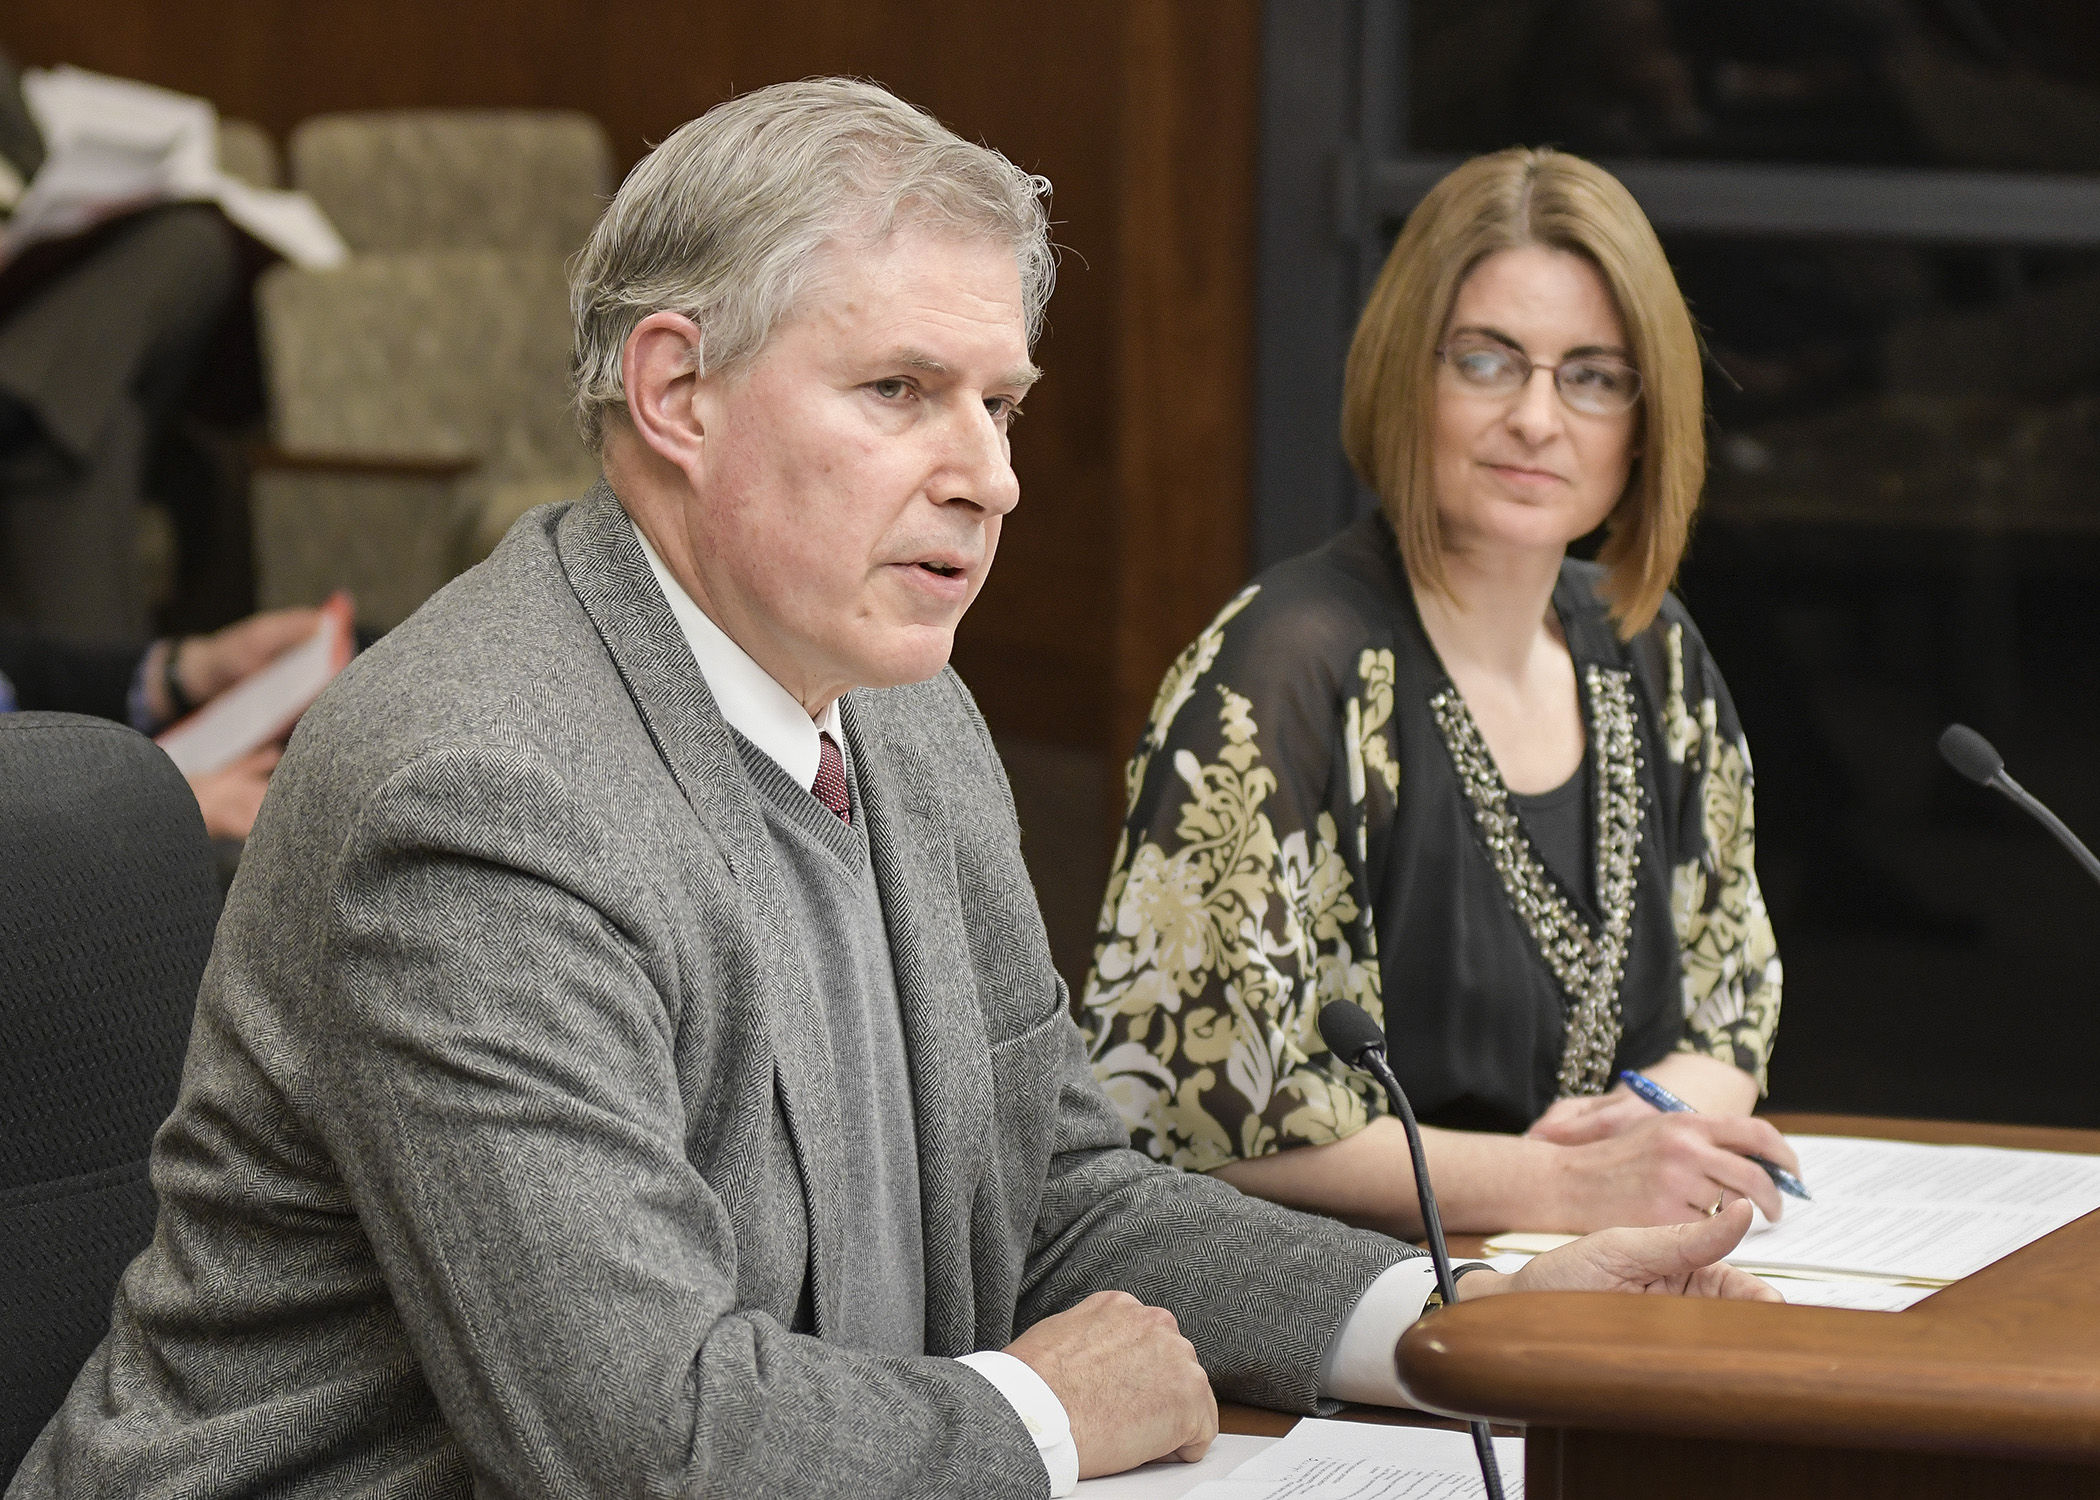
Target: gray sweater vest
[837,910]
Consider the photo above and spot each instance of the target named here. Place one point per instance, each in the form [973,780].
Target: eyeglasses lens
[1599,387]
[1602,387]
[1490,369]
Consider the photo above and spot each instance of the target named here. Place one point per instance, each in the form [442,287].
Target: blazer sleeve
[494,1079]
[1239,900]
[1261,1291]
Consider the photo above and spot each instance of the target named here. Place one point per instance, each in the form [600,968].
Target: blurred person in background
[152,687]
[1439,766]
[101,334]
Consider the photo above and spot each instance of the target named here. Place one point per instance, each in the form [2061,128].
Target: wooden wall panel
[1133,453]
[1185,334]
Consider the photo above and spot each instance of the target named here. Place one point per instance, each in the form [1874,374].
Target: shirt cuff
[1360,1364]
[137,706]
[1040,1412]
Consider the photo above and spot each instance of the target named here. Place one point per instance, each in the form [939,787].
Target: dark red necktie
[830,788]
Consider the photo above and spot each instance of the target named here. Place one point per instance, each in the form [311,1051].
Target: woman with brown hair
[1495,795]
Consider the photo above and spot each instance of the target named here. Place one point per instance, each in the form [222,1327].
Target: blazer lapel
[944,1037]
[617,589]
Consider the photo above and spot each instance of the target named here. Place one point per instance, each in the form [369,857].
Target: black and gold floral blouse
[1313,815]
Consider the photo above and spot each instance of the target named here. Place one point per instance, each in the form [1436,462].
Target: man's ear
[659,368]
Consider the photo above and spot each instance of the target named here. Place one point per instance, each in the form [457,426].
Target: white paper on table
[1508,1265]
[1858,1292]
[1889,1212]
[1170,1479]
[1902,1210]
[1522,1245]
[1860,1296]
[1359,1461]
[263,706]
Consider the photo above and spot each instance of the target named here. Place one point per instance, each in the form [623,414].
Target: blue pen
[1654,1093]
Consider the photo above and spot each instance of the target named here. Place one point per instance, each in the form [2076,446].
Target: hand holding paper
[210,664]
[260,708]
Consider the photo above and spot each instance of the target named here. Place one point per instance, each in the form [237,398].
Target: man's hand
[1667,1169]
[230,797]
[1129,1382]
[1678,1260]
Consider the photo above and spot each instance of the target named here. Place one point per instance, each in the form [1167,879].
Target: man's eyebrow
[918,359]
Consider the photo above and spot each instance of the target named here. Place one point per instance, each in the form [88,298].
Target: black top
[1558,822]
[1314,816]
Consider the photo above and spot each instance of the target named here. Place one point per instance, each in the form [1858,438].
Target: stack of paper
[1327,1461]
[1894,1221]
[1170,1478]
[1923,1214]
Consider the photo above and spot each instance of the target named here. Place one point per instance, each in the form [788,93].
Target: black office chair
[108,899]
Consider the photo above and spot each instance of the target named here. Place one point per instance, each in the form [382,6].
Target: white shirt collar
[757,707]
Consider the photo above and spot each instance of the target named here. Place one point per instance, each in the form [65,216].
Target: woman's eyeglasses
[1595,384]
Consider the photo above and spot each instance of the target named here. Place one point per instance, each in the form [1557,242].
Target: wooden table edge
[1988,1367]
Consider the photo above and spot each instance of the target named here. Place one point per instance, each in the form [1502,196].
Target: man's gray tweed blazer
[508,1144]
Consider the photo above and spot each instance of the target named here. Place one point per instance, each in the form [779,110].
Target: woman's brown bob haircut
[1500,202]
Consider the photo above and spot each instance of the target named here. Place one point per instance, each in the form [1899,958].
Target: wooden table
[1989,1388]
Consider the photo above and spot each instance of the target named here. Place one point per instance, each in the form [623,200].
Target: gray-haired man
[631,1063]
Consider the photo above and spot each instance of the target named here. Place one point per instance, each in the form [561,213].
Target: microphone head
[1970,753]
[1348,1030]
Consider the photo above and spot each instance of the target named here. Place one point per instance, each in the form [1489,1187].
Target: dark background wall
[1899,527]
[1134,453]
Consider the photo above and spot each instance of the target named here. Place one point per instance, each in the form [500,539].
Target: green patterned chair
[418,394]
[455,179]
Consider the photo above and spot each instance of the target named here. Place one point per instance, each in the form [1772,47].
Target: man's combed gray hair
[726,221]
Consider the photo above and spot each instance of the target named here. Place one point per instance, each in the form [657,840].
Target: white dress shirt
[1359,1365]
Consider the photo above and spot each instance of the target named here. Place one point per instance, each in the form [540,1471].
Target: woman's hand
[1707,1084]
[1596,1117]
[1662,1169]
[1679,1261]
[1667,1169]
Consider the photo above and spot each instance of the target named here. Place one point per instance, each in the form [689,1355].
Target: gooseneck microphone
[1971,754]
[1356,1039]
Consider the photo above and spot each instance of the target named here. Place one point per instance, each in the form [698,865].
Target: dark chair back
[108,900]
